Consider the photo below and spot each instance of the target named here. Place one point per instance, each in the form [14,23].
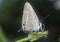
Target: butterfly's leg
[40,26]
[43,27]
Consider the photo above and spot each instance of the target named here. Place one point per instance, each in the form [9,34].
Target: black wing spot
[23,24]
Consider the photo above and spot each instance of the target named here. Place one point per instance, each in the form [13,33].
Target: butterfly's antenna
[43,27]
[45,17]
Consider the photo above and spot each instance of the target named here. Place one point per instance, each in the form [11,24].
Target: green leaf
[32,37]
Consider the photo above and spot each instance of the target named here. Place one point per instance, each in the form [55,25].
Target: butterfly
[30,20]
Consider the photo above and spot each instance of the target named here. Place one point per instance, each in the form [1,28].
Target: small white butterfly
[30,21]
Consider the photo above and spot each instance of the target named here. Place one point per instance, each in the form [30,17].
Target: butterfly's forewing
[29,18]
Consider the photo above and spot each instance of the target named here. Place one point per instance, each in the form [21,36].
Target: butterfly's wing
[29,18]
